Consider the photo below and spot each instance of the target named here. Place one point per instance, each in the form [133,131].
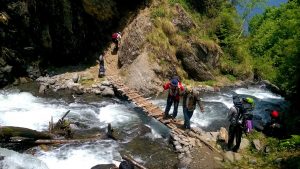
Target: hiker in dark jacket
[190,98]
[235,127]
[175,89]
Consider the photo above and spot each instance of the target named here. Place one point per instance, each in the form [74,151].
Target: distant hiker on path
[101,66]
[190,98]
[116,38]
[174,88]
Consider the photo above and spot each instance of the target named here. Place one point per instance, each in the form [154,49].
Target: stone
[108,92]
[105,83]
[75,78]
[257,144]
[223,135]
[184,162]
[42,89]
[278,160]
[244,143]
[178,147]
[237,156]
[253,161]
[229,156]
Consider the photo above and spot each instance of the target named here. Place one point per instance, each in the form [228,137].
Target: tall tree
[275,44]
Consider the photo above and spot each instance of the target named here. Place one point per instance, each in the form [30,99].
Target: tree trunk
[6,132]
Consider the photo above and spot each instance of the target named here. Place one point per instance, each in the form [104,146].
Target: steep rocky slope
[37,34]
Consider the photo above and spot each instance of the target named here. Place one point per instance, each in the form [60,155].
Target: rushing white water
[83,156]
[15,160]
[25,110]
[258,93]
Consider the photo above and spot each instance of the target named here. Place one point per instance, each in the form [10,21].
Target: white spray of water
[13,160]
[117,115]
[83,156]
[258,93]
[25,110]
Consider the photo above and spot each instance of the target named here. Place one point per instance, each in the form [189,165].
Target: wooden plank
[131,98]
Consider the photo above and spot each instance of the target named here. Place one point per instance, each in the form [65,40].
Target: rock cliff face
[37,33]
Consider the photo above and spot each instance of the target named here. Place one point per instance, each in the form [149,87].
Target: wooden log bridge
[182,140]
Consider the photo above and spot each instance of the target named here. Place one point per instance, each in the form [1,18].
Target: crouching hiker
[190,98]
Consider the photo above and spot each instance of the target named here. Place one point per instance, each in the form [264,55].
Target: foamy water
[25,110]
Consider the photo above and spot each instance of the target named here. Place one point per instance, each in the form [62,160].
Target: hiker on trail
[101,66]
[238,116]
[116,38]
[174,88]
[274,127]
[190,98]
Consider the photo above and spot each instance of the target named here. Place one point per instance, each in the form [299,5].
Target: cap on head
[274,114]
[174,82]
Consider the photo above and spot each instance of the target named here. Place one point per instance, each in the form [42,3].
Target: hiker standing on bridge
[190,98]
[174,88]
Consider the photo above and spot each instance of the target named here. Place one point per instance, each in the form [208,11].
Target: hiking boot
[167,116]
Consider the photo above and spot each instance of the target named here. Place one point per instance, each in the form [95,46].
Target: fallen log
[64,141]
[6,132]
[134,162]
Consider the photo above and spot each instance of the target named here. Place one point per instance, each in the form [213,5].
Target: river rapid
[141,137]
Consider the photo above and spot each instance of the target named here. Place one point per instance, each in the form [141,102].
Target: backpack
[114,36]
[190,102]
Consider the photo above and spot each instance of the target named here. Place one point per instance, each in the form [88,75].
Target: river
[145,139]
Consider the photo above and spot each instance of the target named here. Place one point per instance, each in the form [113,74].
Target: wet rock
[103,166]
[42,89]
[23,80]
[108,92]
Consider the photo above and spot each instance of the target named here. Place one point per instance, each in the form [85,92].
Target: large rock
[200,60]
[133,41]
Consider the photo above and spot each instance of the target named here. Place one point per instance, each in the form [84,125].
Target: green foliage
[275,44]
[290,143]
[158,12]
